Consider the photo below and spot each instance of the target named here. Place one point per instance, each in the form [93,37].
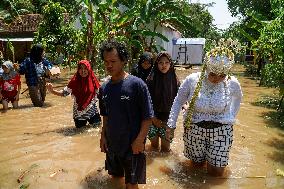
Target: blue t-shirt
[32,71]
[126,104]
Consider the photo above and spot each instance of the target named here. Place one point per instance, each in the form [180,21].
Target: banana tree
[9,9]
[110,20]
[155,13]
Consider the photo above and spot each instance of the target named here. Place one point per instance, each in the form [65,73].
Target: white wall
[170,34]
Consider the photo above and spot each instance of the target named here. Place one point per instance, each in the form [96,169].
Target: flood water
[43,143]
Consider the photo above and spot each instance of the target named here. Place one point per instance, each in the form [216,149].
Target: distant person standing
[36,68]
[35,65]
[163,85]
[10,86]
[125,105]
[144,66]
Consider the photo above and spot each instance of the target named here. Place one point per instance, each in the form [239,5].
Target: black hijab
[141,72]
[163,87]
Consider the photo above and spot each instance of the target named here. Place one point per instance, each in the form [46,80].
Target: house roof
[17,39]
[169,26]
[23,23]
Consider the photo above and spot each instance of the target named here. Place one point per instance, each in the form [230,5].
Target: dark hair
[113,44]
[36,53]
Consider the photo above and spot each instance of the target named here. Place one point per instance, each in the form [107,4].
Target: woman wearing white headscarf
[10,85]
[214,98]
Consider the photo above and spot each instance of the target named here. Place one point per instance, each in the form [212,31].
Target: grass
[274,118]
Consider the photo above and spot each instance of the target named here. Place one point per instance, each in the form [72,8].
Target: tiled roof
[24,23]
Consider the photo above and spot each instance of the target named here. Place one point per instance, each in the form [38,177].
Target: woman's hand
[49,87]
[169,134]
[16,66]
[157,122]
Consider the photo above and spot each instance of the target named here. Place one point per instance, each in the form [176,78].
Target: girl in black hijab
[163,86]
[144,66]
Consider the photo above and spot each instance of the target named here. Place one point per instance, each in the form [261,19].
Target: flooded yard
[45,145]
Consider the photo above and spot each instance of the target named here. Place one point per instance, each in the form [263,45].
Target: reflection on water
[66,157]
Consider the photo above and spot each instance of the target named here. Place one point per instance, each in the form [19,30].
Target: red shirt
[10,85]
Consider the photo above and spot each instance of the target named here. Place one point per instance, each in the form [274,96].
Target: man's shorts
[132,166]
[212,145]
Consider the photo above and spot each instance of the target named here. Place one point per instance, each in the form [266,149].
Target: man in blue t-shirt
[35,66]
[127,111]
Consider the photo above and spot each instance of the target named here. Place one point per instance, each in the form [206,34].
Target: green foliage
[10,9]
[268,101]
[271,40]
[55,31]
[201,21]
[241,7]
[270,44]
[273,74]
[262,27]
[135,22]
[274,118]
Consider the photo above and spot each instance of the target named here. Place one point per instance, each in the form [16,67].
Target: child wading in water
[83,87]
[163,86]
[10,86]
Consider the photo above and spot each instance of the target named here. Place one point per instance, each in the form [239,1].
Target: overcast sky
[220,13]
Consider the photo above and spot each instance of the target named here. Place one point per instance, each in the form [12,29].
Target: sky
[220,13]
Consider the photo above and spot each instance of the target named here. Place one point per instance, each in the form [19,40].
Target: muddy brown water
[43,143]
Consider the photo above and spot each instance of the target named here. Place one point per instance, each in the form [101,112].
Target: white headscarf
[12,72]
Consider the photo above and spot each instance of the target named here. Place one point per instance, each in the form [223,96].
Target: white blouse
[215,102]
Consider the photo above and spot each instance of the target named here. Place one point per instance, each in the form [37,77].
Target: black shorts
[132,166]
[95,121]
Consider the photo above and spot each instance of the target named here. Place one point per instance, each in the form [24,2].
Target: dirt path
[56,155]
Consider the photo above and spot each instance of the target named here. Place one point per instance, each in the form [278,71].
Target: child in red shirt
[10,86]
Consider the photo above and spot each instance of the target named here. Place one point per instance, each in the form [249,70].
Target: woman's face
[164,64]
[215,78]
[5,69]
[146,65]
[83,71]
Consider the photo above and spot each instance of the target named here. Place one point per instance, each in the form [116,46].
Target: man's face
[113,64]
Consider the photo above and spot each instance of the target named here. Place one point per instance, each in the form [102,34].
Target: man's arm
[22,68]
[103,142]
[138,144]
